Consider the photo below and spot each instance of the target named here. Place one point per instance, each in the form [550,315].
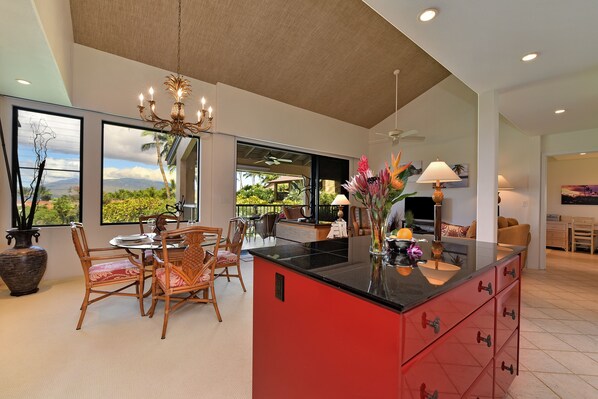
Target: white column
[487,166]
[536,254]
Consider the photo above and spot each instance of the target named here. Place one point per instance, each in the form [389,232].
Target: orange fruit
[404,234]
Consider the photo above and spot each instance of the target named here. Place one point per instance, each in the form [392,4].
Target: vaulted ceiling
[333,57]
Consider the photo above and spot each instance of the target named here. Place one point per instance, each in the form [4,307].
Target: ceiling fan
[270,159]
[397,134]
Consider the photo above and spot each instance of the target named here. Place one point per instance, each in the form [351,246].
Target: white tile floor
[559,329]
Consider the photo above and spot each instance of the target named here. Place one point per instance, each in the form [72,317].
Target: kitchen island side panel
[320,342]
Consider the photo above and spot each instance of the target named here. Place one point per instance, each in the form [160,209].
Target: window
[144,170]
[59,137]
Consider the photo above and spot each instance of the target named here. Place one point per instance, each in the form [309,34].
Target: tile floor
[559,329]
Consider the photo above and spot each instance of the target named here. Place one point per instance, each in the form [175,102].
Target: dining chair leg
[227,275]
[166,312]
[154,300]
[214,302]
[240,276]
[83,308]
[140,287]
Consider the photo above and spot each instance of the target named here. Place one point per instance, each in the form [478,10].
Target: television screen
[421,207]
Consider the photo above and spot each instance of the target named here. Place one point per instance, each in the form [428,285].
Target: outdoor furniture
[187,271]
[230,255]
[122,269]
[265,225]
[293,212]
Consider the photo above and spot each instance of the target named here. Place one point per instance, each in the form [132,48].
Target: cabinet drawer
[507,314]
[426,323]
[506,273]
[482,387]
[452,363]
[506,366]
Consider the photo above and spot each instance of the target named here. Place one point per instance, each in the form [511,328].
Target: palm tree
[162,143]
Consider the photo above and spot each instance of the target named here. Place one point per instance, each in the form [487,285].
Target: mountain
[61,187]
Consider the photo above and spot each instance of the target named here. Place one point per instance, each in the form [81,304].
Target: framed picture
[462,170]
[416,169]
[579,195]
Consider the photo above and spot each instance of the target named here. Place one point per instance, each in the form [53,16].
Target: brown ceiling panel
[333,57]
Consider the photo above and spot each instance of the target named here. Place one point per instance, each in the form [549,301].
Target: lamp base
[437,222]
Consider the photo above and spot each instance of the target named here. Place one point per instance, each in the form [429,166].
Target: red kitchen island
[330,321]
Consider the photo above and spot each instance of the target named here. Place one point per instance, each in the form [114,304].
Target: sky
[123,157]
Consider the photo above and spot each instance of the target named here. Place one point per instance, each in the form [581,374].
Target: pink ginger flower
[363,165]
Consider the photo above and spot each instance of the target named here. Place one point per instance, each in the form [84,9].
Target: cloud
[136,172]
[125,143]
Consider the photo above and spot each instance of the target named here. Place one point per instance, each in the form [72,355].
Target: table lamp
[503,184]
[438,172]
[340,200]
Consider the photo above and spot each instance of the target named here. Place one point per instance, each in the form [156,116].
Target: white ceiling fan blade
[382,134]
[413,138]
[284,160]
[270,163]
[409,133]
[261,160]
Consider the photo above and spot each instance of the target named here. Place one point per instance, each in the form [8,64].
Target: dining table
[148,243]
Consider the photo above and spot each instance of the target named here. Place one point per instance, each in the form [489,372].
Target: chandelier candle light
[377,193]
[179,88]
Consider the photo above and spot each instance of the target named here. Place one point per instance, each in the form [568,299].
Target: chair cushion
[113,271]
[225,256]
[177,281]
[453,230]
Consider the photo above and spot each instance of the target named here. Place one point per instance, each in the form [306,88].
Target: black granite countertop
[395,280]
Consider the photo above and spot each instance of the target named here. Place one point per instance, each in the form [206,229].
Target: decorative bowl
[399,244]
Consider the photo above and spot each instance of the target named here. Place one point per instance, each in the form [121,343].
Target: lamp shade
[340,199]
[504,184]
[438,171]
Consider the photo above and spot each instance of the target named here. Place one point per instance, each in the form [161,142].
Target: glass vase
[378,225]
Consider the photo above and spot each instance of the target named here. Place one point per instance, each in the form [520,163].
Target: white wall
[447,116]
[105,86]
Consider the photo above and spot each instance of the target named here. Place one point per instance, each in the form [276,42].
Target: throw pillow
[502,222]
[453,230]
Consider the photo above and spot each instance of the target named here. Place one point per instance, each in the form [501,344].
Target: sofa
[509,232]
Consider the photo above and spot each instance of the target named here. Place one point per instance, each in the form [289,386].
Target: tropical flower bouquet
[378,193]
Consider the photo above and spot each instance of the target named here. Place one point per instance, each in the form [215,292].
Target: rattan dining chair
[123,269]
[187,271]
[230,255]
[162,220]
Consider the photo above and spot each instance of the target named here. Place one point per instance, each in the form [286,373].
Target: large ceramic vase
[23,266]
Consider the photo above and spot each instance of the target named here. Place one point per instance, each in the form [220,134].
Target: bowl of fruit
[400,239]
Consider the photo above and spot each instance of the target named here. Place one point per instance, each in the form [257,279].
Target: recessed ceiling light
[23,81]
[559,111]
[529,57]
[428,14]
[582,153]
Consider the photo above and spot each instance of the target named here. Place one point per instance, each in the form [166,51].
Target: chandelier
[179,88]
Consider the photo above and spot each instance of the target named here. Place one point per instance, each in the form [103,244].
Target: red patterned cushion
[112,271]
[225,256]
[177,281]
[452,230]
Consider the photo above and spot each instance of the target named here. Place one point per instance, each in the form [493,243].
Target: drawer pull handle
[511,313]
[425,395]
[512,273]
[487,340]
[435,324]
[488,288]
[510,368]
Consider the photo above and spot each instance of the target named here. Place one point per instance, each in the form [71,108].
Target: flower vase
[23,266]
[378,225]
[377,284]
